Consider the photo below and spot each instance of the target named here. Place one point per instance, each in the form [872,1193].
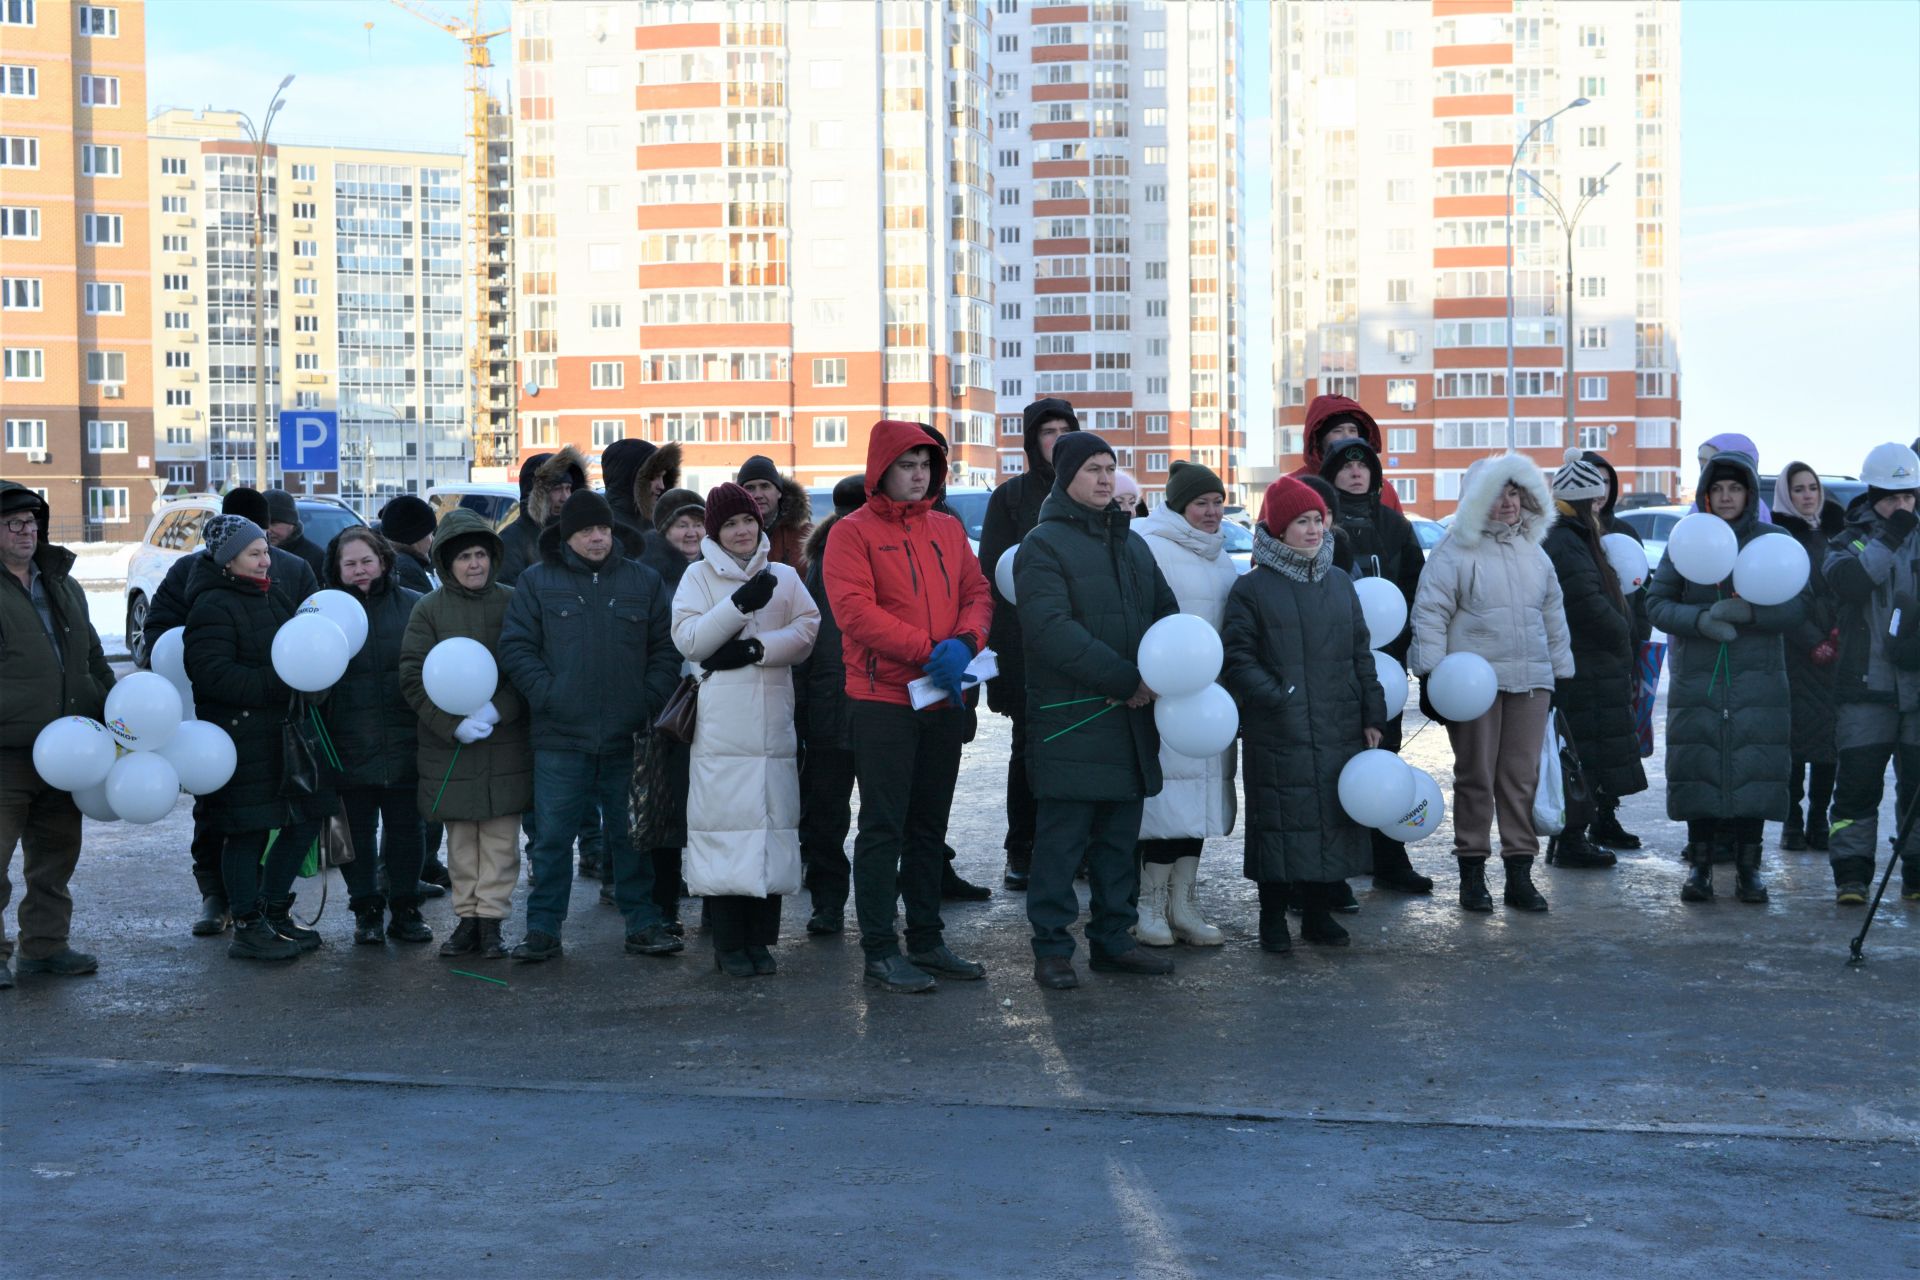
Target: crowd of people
[691,688]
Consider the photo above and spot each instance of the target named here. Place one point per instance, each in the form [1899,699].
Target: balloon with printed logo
[1462,687]
[460,675]
[142,787]
[310,652]
[1424,816]
[344,611]
[1376,788]
[203,755]
[1200,725]
[1771,570]
[1393,682]
[1385,610]
[1179,655]
[143,711]
[73,753]
[1703,548]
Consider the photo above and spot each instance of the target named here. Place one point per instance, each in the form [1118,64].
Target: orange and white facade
[1118,222]
[75,318]
[1393,126]
[754,227]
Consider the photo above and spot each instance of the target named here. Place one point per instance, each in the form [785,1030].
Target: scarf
[1271,553]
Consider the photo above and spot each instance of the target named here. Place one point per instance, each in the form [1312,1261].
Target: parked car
[969,502]
[1430,532]
[497,504]
[1653,524]
[174,531]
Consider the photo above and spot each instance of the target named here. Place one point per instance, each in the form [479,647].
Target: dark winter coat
[1813,686]
[628,468]
[1871,575]
[792,522]
[1598,697]
[229,659]
[1298,663]
[307,549]
[820,685]
[293,581]
[520,541]
[493,777]
[1013,509]
[410,570]
[1610,522]
[372,726]
[590,647]
[1728,705]
[43,679]
[1380,541]
[1088,590]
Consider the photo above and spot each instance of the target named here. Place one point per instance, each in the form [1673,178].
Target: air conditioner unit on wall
[36,455]
[113,391]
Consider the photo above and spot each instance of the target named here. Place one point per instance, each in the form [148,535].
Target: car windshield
[323,521]
[1238,539]
[1429,533]
[972,510]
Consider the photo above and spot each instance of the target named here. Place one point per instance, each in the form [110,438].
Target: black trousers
[1021,811]
[666,882]
[396,812]
[1167,852]
[826,815]
[739,922]
[1814,782]
[206,848]
[1105,834]
[249,884]
[907,762]
[1738,830]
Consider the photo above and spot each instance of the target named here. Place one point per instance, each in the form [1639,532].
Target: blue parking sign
[309,440]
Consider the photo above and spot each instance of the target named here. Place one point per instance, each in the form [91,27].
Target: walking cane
[1899,849]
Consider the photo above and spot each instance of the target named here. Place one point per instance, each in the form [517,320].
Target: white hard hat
[1893,467]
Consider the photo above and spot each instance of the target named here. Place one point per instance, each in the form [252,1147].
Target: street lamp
[259,138]
[361,408]
[1567,225]
[1512,431]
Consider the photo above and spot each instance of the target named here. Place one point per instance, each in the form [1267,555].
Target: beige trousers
[483,861]
[1496,770]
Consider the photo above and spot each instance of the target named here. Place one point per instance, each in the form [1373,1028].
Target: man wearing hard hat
[1874,570]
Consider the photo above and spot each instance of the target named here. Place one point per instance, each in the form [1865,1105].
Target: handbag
[1577,792]
[677,717]
[308,763]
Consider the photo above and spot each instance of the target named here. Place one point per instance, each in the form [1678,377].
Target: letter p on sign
[309,440]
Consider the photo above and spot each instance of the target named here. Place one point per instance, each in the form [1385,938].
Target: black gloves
[756,593]
[1427,708]
[735,653]
[1895,528]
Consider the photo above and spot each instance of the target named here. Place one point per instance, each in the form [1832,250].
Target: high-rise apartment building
[364,307]
[1117,220]
[74,315]
[754,226]
[491,330]
[1393,127]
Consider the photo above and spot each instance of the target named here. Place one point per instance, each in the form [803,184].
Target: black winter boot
[280,919]
[1699,885]
[1473,885]
[1317,924]
[1393,870]
[491,947]
[1606,830]
[1519,892]
[464,940]
[369,925]
[954,889]
[1818,833]
[1910,879]
[1573,849]
[405,925]
[255,939]
[1793,832]
[1274,935]
[1722,846]
[1019,867]
[1851,876]
[213,919]
[1746,875]
[829,906]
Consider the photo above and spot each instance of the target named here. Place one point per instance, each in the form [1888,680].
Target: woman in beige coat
[1490,589]
[746,622]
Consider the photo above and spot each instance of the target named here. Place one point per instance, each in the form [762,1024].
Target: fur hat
[675,503]
[226,536]
[586,509]
[725,501]
[1579,479]
[251,503]
[406,519]
[849,495]
[1189,480]
[1286,501]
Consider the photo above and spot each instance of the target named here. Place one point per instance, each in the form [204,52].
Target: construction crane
[483,406]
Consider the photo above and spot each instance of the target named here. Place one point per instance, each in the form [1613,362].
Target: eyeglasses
[29,524]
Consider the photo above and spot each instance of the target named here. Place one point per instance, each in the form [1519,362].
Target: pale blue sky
[1800,196]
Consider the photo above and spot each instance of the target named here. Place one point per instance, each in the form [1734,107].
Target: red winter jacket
[901,577]
[1324,407]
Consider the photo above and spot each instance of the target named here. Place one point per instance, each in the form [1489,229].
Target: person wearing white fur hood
[1196,800]
[1490,589]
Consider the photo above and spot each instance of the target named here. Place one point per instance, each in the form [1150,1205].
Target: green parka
[493,777]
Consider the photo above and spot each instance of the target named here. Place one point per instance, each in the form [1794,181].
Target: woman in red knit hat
[1298,662]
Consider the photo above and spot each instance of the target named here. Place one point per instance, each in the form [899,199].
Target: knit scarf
[1271,553]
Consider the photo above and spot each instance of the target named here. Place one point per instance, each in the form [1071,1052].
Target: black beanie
[281,507]
[758,467]
[1070,453]
[584,510]
[406,520]
[247,502]
[850,495]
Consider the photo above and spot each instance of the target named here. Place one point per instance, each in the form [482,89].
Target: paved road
[1620,1085]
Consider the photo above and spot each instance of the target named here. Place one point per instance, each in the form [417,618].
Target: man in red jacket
[911,602]
[1335,418]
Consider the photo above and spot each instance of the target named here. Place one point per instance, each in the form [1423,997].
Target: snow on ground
[102,563]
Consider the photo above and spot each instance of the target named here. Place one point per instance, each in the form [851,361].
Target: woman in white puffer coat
[746,623]
[1197,799]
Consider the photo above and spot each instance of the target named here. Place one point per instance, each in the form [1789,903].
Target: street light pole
[1567,226]
[259,280]
[1512,430]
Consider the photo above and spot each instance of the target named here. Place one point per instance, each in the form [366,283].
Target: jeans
[1105,832]
[396,811]
[567,787]
[826,815]
[251,884]
[907,762]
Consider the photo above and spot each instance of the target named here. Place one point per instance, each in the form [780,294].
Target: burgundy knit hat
[1286,501]
[724,502]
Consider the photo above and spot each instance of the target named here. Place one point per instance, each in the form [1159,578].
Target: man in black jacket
[287,533]
[1012,512]
[826,766]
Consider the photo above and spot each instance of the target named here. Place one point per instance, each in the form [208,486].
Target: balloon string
[445,780]
[1070,728]
[1071,702]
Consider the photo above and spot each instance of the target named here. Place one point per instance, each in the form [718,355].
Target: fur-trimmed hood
[662,464]
[568,464]
[1484,481]
[816,544]
[795,510]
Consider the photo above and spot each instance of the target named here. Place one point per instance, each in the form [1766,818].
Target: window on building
[306,324]
[100,161]
[1593,286]
[1593,38]
[830,373]
[1013,463]
[19,153]
[20,293]
[98,20]
[306,248]
[106,367]
[304,210]
[106,437]
[16,13]
[179,473]
[1593,337]
[26,433]
[1594,437]
[102,228]
[604,315]
[829,193]
[175,166]
[99,91]
[179,435]
[603,79]
[19,224]
[177,321]
[304,172]
[106,505]
[25,364]
[307,286]
[1402,393]
[607,430]
[180,397]
[179,359]
[536,430]
[1403,342]
[104,299]
[1399,290]
[606,375]
[1653,433]
[175,282]
[307,361]
[306,399]
[173,244]
[829,432]
[19,81]
[173,204]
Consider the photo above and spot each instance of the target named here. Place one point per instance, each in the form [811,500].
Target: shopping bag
[1646,689]
[1550,795]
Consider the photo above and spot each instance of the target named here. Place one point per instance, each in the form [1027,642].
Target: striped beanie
[1579,479]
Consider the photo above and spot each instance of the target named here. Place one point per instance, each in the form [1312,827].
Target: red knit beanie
[724,502]
[1286,501]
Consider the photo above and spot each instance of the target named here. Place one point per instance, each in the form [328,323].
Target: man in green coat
[1087,592]
[50,666]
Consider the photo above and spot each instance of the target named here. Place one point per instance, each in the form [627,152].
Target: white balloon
[143,787]
[1200,725]
[1179,655]
[1771,570]
[1462,688]
[169,656]
[1703,548]
[73,753]
[1376,787]
[1424,816]
[203,755]
[1385,609]
[1003,573]
[1393,682]
[344,611]
[1628,560]
[92,801]
[143,710]
[460,676]
[310,652]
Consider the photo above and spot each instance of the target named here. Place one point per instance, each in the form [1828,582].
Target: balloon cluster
[1767,571]
[1378,789]
[1180,658]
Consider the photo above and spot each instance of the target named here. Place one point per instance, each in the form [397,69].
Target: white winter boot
[1152,929]
[1183,909]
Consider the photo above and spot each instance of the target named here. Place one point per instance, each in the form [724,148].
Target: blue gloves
[948,664]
